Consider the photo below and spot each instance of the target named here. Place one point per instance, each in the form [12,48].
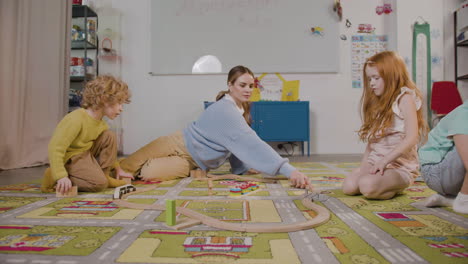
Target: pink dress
[407,165]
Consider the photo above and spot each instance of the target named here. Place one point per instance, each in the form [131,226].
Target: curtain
[34,77]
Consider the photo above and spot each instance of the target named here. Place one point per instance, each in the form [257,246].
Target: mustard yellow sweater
[73,135]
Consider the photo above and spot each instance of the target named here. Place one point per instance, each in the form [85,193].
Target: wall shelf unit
[82,45]
[84,52]
[461,45]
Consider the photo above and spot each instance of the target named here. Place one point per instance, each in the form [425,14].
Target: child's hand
[300,180]
[64,185]
[378,168]
[123,174]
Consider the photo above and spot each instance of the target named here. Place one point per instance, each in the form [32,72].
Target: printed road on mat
[40,228]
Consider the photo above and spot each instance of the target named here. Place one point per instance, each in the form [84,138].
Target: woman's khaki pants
[165,158]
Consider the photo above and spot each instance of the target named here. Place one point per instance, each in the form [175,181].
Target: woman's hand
[64,185]
[300,180]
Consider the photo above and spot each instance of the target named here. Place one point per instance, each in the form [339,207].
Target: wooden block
[186,223]
[127,180]
[197,173]
[71,193]
[193,174]
[210,187]
[170,212]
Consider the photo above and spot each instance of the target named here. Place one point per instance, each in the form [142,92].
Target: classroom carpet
[91,228]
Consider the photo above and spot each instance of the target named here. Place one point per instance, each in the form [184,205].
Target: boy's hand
[64,185]
[300,180]
[123,174]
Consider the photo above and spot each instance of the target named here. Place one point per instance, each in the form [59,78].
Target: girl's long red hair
[376,111]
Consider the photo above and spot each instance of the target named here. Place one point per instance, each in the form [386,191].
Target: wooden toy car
[124,189]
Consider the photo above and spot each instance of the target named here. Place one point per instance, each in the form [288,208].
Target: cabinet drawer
[281,121]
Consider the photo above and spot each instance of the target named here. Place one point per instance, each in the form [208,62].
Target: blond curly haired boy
[82,150]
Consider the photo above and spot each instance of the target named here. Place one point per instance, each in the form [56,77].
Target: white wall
[163,104]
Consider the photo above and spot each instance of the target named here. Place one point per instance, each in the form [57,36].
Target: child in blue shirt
[222,132]
[444,161]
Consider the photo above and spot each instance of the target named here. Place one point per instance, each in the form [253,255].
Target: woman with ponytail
[222,132]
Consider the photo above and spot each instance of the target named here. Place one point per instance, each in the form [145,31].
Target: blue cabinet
[277,121]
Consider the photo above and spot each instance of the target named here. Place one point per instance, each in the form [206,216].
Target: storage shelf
[81,78]
[83,14]
[75,45]
[463,43]
[73,108]
[280,121]
[460,41]
[463,77]
[88,48]
[82,11]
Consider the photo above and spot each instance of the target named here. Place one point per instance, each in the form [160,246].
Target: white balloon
[207,64]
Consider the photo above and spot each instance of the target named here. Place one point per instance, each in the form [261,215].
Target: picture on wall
[363,47]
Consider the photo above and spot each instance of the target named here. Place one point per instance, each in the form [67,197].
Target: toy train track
[323,215]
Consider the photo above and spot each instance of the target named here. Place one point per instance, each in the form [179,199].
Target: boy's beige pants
[89,170]
[165,158]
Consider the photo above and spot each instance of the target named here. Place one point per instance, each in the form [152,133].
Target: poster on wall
[363,47]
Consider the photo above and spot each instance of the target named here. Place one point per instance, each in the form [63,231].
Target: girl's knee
[375,191]
[377,195]
[374,195]
[350,187]
[350,183]
[350,190]
[355,172]
[369,189]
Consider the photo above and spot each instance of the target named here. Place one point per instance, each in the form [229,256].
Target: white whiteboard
[264,35]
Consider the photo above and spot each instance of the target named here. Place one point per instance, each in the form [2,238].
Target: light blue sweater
[221,131]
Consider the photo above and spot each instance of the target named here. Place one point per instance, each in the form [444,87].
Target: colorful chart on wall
[363,47]
[273,87]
